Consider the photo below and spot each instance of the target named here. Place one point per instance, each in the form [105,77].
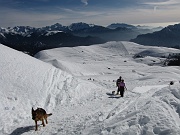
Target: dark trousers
[118,91]
[121,90]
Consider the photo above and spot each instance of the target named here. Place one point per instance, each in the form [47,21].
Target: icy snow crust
[75,85]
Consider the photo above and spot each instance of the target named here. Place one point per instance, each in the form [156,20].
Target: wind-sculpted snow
[149,112]
[75,84]
[27,82]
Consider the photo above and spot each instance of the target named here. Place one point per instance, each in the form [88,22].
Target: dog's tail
[49,114]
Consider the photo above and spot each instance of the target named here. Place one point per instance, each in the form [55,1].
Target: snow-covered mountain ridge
[60,27]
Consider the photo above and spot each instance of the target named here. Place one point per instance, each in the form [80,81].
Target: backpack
[121,84]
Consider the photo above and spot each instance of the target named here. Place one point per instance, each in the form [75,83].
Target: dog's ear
[32,110]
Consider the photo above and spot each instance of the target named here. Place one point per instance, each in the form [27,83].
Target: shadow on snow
[22,130]
[113,95]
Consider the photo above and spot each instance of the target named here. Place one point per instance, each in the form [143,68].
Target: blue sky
[40,13]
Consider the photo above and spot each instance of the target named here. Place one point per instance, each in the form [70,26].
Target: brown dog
[39,115]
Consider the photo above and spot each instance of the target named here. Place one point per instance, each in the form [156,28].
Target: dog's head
[39,112]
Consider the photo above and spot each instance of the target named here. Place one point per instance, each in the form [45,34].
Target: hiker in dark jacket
[121,87]
[117,83]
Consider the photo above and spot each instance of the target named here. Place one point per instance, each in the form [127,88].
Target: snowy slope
[27,82]
[75,84]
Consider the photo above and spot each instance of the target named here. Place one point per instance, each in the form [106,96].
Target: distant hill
[121,25]
[168,37]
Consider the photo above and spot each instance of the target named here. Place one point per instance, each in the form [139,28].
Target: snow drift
[27,82]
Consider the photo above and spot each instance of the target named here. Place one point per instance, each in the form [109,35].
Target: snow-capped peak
[49,33]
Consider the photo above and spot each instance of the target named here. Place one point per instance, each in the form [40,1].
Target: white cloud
[165,3]
[165,6]
[155,8]
[85,2]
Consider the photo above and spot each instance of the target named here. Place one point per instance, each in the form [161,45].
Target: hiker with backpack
[117,82]
[121,87]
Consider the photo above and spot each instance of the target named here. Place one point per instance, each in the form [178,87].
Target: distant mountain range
[31,40]
[34,42]
[168,37]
